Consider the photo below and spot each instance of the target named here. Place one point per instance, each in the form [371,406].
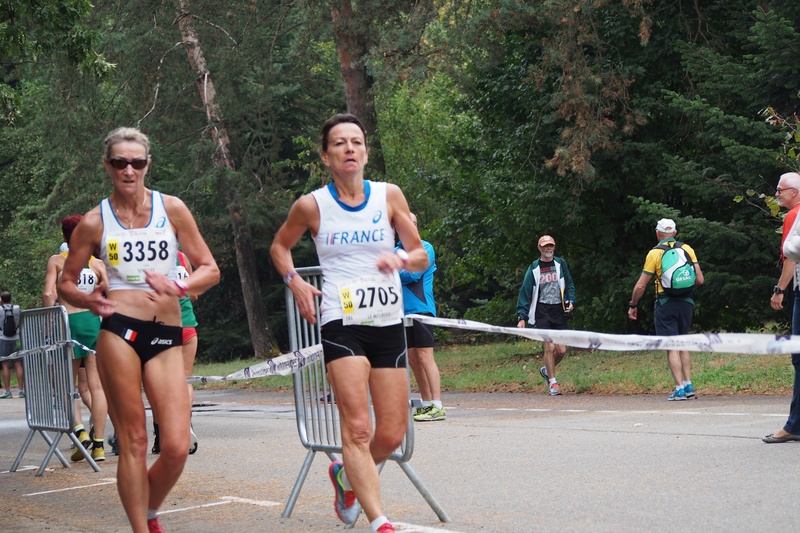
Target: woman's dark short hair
[68,225]
[335,120]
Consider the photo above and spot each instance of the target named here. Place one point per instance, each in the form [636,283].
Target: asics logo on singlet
[155,341]
[377,217]
[355,237]
[162,221]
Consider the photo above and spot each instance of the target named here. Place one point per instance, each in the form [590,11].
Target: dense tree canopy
[502,120]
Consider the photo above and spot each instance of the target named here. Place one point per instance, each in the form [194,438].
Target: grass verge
[514,367]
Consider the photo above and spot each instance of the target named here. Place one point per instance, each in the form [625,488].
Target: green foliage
[34,31]
[501,120]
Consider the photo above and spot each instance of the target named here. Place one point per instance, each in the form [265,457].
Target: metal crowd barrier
[315,406]
[49,384]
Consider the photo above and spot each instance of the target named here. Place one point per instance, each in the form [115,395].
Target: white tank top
[349,241]
[87,280]
[127,253]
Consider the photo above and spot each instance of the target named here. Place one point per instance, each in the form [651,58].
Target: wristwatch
[777,290]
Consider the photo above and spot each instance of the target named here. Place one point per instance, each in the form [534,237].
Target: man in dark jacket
[546,296]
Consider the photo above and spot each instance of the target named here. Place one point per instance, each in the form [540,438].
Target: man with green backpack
[677,273]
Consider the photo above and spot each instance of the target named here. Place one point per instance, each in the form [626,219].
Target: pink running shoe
[154,526]
[387,528]
[345,503]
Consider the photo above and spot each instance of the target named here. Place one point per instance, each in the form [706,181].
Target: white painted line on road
[403,527]
[251,502]
[24,468]
[666,411]
[106,481]
[214,504]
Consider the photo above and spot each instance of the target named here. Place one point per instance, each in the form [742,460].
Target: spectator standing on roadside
[9,336]
[672,314]
[418,300]
[788,195]
[546,296]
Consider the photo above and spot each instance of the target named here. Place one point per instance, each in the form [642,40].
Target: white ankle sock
[378,522]
[437,404]
[345,482]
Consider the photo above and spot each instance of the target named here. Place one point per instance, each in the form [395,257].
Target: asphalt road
[499,463]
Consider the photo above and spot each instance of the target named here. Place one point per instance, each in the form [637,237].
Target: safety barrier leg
[22,450]
[423,490]
[53,447]
[298,485]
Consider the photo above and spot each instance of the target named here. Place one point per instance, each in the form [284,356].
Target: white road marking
[24,468]
[666,411]
[403,527]
[260,503]
[213,504]
[106,481]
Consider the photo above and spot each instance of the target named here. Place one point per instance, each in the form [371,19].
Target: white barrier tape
[283,365]
[752,343]
[19,354]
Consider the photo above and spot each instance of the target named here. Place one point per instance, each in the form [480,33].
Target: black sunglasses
[122,164]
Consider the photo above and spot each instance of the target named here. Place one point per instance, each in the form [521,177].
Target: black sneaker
[114,443]
[327,398]
[192,440]
[156,445]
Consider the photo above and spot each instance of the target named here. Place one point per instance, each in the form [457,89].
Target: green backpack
[678,277]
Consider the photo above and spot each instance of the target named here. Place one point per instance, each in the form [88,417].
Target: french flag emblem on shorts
[129,335]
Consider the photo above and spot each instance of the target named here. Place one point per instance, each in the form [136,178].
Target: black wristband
[777,290]
[632,305]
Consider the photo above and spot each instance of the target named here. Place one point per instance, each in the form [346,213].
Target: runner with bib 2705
[352,222]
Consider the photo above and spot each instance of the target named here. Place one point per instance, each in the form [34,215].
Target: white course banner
[753,343]
[750,343]
[283,365]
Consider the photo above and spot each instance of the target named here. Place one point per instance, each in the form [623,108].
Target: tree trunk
[352,46]
[264,343]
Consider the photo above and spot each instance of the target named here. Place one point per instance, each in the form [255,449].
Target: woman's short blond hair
[126,134]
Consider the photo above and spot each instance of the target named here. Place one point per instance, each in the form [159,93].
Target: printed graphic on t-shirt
[549,290]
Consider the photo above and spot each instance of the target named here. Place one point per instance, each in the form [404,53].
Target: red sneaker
[154,526]
[555,389]
[387,528]
[345,500]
